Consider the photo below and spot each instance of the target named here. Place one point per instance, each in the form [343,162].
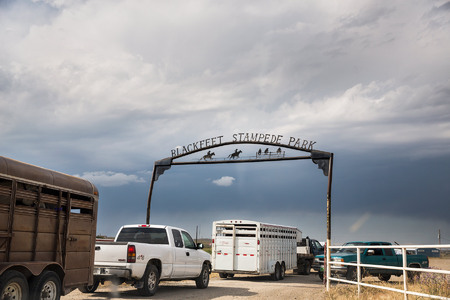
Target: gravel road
[239,287]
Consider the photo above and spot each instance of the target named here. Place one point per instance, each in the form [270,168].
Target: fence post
[405,276]
[358,262]
[327,266]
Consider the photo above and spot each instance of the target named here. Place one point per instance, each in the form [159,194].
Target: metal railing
[404,269]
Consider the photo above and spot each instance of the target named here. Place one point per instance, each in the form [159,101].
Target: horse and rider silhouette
[235,154]
[266,152]
[209,156]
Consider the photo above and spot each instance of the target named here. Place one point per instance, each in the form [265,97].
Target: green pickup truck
[371,256]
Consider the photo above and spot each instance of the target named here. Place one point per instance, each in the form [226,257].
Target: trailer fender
[271,266]
[32,268]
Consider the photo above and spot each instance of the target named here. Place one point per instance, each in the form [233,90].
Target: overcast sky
[103,89]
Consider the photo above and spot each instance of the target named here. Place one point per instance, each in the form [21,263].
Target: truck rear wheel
[46,286]
[223,275]
[90,288]
[384,277]
[202,280]
[150,281]
[13,285]
[412,276]
[305,268]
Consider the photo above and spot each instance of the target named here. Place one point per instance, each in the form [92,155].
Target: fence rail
[404,268]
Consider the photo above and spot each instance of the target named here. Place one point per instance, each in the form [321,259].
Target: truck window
[388,252]
[155,236]
[177,238]
[317,245]
[188,241]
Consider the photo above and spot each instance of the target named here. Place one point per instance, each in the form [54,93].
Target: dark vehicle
[307,250]
[371,256]
[47,231]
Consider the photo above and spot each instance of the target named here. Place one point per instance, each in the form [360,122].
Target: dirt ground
[239,287]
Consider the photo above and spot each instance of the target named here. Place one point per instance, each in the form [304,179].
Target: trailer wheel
[13,285]
[150,280]
[202,280]
[277,275]
[46,286]
[223,275]
[282,271]
[90,288]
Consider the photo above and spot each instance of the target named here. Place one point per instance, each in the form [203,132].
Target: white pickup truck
[142,255]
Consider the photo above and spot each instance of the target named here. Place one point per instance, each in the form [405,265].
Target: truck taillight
[213,241]
[131,254]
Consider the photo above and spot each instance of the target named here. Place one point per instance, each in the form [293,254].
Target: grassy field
[435,284]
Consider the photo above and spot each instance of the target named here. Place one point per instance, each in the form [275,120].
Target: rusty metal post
[149,201]
[330,178]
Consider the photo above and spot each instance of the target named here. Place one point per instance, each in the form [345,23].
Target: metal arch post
[159,168]
[149,201]
[330,178]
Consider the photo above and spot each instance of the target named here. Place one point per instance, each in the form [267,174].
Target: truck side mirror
[370,252]
[199,246]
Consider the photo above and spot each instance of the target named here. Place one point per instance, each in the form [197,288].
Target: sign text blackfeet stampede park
[291,142]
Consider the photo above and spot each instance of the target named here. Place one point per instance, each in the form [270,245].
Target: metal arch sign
[319,157]
[244,138]
[323,159]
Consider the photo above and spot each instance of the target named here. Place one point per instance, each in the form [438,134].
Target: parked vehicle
[307,250]
[372,256]
[142,255]
[250,247]
[47,231]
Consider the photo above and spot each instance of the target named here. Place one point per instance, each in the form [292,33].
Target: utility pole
[439,236]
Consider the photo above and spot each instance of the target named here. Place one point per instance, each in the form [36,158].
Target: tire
[202,280]
[230,275]
[45,286]
[384,277]
[90,288]
[277,275]
[412,275]
[150,281]
[307,268]
[223,275]
[351,274]
[13,285]
[282,271]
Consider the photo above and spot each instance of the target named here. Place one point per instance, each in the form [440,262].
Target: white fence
[404,268]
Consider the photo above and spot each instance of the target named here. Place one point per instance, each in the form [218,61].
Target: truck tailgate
[111,253]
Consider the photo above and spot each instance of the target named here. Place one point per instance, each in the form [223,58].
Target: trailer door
[80,238]
[246,241]
[224,247]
